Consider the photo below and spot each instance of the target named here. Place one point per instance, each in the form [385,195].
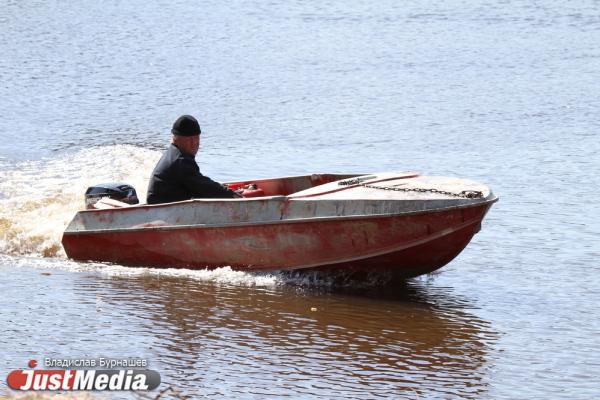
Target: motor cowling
[117,191]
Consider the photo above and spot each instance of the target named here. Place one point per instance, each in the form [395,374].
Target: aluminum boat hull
[292,232]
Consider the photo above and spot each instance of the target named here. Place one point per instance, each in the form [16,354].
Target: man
[177,177]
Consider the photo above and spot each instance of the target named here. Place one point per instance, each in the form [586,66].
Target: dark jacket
[177,177]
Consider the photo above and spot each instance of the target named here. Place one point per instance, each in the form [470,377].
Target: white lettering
[139,382]
[116,381]
[29,381]
[128,381]
[66,379]
[101,382]
[54,383]
[40,381]
[84,380]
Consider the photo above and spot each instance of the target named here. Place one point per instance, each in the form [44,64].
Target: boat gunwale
[488,201]
[180,203]
[410,174]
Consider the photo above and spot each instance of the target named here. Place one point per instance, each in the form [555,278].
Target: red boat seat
[248,190]
[253,193]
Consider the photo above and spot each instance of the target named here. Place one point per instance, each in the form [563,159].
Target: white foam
[39,198]
[223,275]
[219,276]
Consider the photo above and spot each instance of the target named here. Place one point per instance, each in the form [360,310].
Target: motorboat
[398,222]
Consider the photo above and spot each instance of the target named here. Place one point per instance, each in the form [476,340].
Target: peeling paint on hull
[409,244]
[337,230]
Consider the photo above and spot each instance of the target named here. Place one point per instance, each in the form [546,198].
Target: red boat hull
[409,244]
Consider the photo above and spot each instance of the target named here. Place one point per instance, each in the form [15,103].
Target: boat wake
[226,276]
[39,198]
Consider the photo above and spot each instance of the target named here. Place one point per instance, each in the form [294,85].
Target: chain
[465,194]
[355,181]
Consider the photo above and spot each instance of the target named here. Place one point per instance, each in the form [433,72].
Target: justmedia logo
[83,379]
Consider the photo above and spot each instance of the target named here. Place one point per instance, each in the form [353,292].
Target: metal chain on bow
[465,194]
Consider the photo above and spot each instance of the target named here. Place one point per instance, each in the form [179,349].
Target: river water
[505,93]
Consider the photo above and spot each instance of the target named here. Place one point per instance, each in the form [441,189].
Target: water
[504,93]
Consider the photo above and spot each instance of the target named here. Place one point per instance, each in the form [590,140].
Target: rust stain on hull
[350,229]
[414,244]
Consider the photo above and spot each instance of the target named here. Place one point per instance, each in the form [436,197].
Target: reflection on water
[232,340]
[222,341]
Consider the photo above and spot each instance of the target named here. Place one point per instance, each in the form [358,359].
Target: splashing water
[220,276]
[39,198]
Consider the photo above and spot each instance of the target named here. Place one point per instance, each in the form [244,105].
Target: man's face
[188,144]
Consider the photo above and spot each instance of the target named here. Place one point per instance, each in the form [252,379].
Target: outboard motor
[117,191]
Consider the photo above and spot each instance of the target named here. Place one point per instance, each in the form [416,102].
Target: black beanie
[186,125]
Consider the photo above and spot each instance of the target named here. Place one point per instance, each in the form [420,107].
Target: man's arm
[201,186]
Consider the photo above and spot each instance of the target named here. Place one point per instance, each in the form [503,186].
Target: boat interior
[285,186]
[289,198]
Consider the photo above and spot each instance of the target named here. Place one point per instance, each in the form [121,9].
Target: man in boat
[177,177]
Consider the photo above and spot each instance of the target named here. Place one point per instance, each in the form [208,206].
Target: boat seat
[106,203]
